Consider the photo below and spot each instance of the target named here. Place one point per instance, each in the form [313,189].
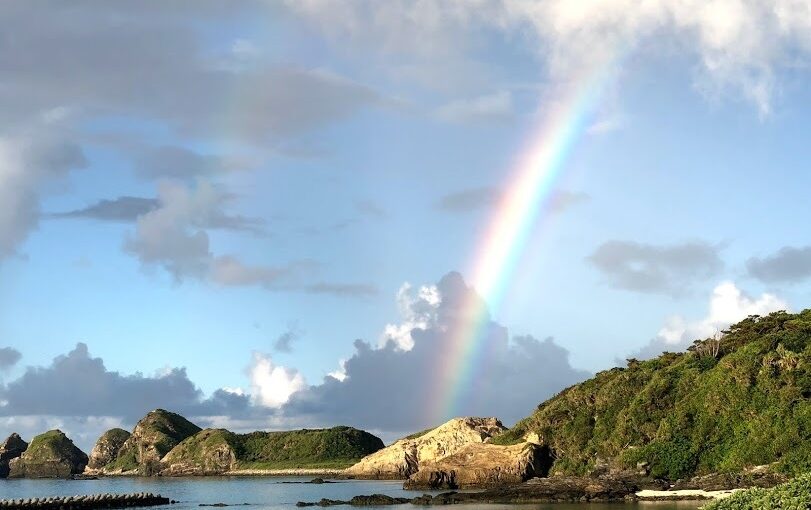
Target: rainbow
[494,265]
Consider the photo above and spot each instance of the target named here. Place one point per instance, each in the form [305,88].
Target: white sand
[684,494]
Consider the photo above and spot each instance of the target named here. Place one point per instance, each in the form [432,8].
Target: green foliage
[125,461]
[792,495]
[737,400]
[336,447]
[51,444]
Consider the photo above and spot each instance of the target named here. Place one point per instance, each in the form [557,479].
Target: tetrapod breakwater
[89,502]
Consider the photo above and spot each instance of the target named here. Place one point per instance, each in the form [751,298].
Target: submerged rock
[50,455]
[406,456]
[11,448]
[538,490]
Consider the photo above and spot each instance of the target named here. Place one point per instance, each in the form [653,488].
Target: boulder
[106,448]
[406,456]
[11,448]
[483,465]
[50,455]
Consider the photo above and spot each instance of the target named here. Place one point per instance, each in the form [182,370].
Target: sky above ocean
[276,214]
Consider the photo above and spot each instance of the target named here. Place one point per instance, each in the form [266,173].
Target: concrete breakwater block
[89,502]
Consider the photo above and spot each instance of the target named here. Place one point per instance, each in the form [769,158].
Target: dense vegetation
[740,399]
[790,495]
[221,450]
[337,447]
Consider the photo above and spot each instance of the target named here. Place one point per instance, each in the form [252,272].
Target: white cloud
[728,305]
[272,385]
[418,312]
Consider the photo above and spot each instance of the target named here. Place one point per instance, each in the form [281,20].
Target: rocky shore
[537,490]
[91,502]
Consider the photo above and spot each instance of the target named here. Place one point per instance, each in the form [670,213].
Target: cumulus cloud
[78,385]
[417,313]
[496,107]
[26,165]
[649,268]
[788,265]
[403,373]
[271,384]
[8,357]
[728,305]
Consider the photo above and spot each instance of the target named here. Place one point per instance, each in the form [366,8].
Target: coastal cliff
[50,455]
[404,457]
[483,465]
[728,404]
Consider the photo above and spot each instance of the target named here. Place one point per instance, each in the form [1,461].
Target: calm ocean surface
[261,492]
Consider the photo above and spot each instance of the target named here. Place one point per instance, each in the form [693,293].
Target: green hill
[153,437]
[726,404]
[217,450]
[50,455]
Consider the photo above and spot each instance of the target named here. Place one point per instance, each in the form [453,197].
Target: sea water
[272,493]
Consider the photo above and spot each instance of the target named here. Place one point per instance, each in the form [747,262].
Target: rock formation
[10,449]
[50,455]
[483,465]
[210,451]
[153,437]
[106,448]
[406,456]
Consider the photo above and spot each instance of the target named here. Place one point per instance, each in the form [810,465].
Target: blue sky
[287,167]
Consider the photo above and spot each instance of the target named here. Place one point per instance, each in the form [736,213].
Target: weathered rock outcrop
[538,490]
[483,465]
[106,448]
[50,455]
[153,437]
[406,456]
[10,449]
[210,451]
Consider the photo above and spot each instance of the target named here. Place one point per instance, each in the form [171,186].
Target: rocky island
[50,455]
